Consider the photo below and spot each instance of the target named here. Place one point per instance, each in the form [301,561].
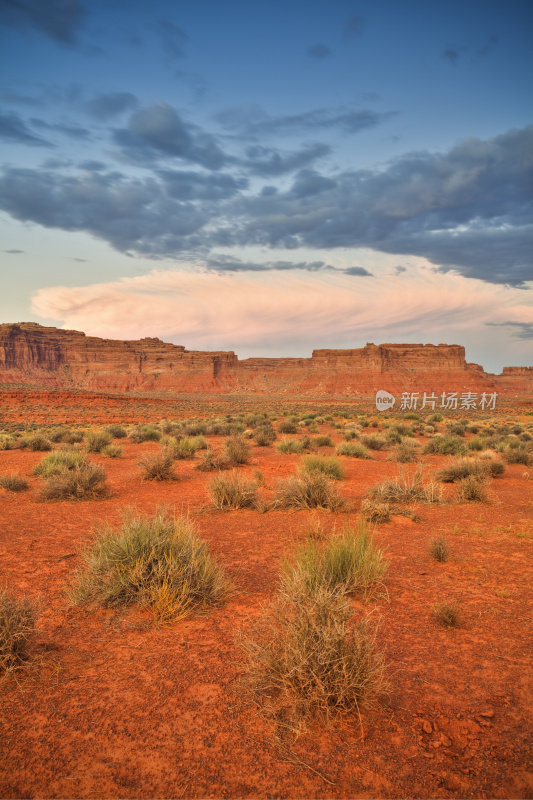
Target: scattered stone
[426,726]
[488,713]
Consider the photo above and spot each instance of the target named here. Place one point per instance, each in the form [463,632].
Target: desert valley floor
[112,704]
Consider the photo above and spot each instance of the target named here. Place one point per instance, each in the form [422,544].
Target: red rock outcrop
[46,356]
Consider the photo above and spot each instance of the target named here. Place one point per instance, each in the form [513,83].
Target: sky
[270,177]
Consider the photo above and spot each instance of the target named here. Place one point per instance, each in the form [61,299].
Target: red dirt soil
[114,706]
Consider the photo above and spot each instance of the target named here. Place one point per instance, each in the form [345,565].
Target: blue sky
[270,177]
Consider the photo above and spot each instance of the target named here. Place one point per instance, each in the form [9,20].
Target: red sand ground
[114,706]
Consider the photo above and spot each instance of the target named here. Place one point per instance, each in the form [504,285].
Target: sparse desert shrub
[112,450]
[449,614]
[157,562]
[349,433]
[331,467]
[116,431]
[375,512]
[84,481]
[158,467]
[229,492]
[290,446]
[348,561]
[403,489]
[210,461]
[323,440]
[196,428]
[13,482]
[236,450]
[145,433]
[58,462]
[57,434]
[97,440]
[73,437]
[288,426]
[7,442]
[374,442]
[17,627]
[472,489]
[307,659]
[439,549]
[462,467]
[405,452]
[477,443]
[519,455]
[353,450]
[308,490]
[264,434]
[445,445]
[36,442]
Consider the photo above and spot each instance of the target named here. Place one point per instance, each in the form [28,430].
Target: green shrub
[462,467]
[116,431]
[353,450]
[323,440]
[158,467]
[233,491]
[405,452]
[265,434]
[309,490]
[520,455]
[374,442]
[13,482]
[145,433]
[331,467]
[236,450]
[84,481]
[97,440]
[112,450]
[73,437]
[157,562]
[59,461]
[36,442]
[287,426]
[445,445]
[290,446]
[404,489]
[17,627]
[7,442]
[348,561]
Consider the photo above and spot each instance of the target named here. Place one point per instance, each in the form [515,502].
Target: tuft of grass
[116,431]
[472,489]
[376,512]
[83,482]
[13,482]
[405,452]
[374,442]
[236,450]
[288,426]
[7,442]
[306,658]
[348,561]
[97,440]
[145,433]
[449,614]
[519,455]
[445,445]
[308,490]
[404,489]
[59,461]
[290,446]
[112,450]
[353,450]
[157,562]
[17,627]
[463,467]
[439,549]
[265,434]
[210,461]
[328,466]
[36,442]
[232,491]
[322,440]
[158,467]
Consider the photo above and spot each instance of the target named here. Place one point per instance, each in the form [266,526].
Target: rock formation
[37,355]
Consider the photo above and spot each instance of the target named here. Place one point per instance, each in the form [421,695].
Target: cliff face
[33,354]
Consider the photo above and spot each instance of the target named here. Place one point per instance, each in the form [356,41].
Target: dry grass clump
[17,626]
[264,434]
[374,442]
[308,490]
[445,445]
[210,461]
[13,482]
[84,481]
[289,425]
[157,562]
[405,489]
[112,450]
[449,614]
[158,467]
[519,455]
[58,462]
[463,467]
[145,433]
[290,446]
[116,431]
[349,561]
[306,658]
[405,452]
[7,442]
[322,440]
[236,450]
[328,466]
[472,489]
[439,549]
[229,492]
[36,442]
[353,450]
[375,512]
[97,440]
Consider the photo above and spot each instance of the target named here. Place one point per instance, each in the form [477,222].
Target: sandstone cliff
[34,354]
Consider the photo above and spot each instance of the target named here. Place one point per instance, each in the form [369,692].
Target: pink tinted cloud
[264,310]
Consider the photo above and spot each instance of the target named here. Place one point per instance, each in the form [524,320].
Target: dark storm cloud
[184,185]
[319,51]
[267,162]
[253,122]
[522,330]
[223,263]
[308,182]
[106,106]
[13,252]
[61,20]
[14,129]
[158,131]
[173,38]
[359,272]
